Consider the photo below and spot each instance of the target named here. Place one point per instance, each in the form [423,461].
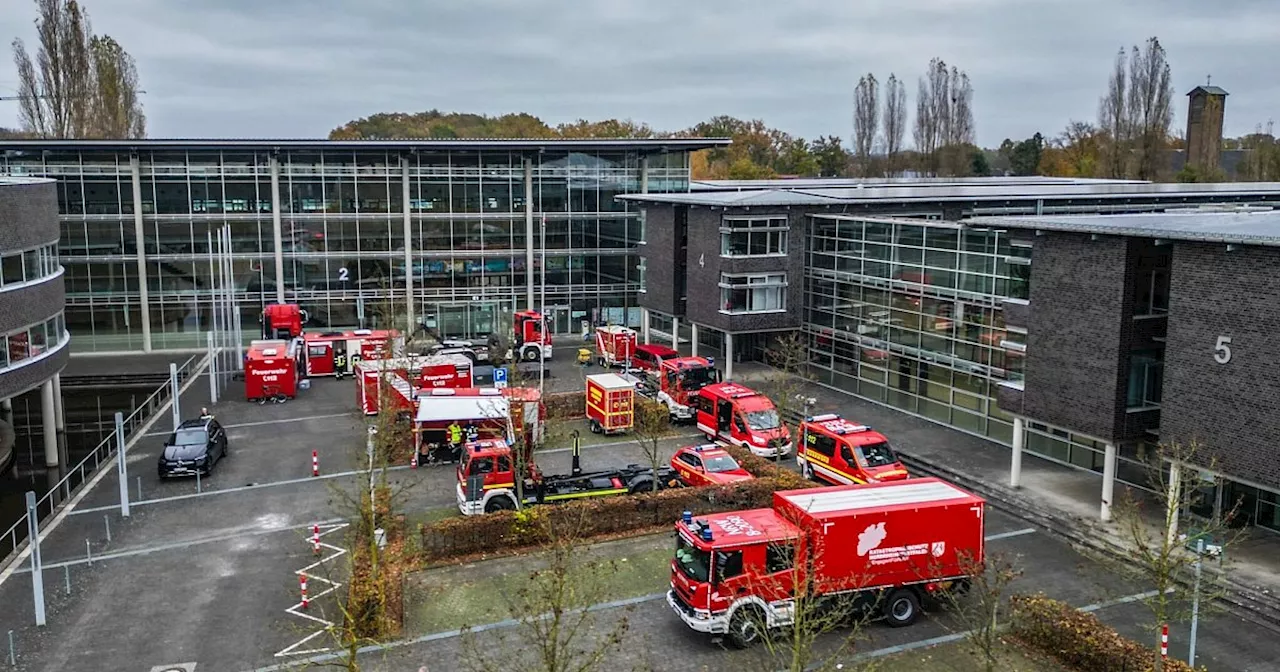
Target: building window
[753,237]
[1153,292]
[1146,377]
[756,293]
[28,266]
[640,273]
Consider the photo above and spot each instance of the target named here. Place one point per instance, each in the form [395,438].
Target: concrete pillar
[408,249]
[1173,504]
[644,325]
[675,333]
[139,241]
[693,338]
[728,356]
[48,413]
[1108,481]
[59,419]
[277,228]
[6,410]
[1019,442]
[644,174]
[528,233]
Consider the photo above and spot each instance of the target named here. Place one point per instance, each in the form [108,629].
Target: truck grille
[680,602]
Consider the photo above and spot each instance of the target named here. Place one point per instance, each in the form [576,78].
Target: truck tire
[744,627]
[639,485]
[596,428]
[529,354]
[503,503]
[901,607]
[806,471]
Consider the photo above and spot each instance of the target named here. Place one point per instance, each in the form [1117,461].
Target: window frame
[776,230]
[750,283]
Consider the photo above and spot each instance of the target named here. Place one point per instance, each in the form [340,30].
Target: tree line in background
[78,85]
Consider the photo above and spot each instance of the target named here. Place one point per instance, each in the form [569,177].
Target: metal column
[410,325]
[277,232]
[139,241]
[528,232]
[1019,442]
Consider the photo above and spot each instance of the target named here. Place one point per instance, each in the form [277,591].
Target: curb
[1244,601]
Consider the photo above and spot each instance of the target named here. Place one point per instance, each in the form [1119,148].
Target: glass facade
[342,216]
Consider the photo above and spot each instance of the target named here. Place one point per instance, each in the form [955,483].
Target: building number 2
[1222,350]
[344,275]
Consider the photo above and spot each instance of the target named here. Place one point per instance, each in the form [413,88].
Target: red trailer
[893,544]
[409,377]
[332,353]
[615,345]
[610,403]
[272,369]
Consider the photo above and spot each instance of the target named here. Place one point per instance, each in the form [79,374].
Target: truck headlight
[758,441]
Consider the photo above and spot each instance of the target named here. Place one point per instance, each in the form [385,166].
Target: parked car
[194,448]
[707,465]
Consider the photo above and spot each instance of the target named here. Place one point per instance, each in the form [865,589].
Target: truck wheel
[901,608]
[744,627]
[806,471]
[596,428]
[638,486]
[499,504]
[530,354]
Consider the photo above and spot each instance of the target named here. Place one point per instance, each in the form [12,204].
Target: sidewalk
[1063,500]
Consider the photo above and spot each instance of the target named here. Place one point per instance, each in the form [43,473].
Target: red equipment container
[272,368]
[356,345]
[610,403]
[615,345]
[894,542]
[408,377]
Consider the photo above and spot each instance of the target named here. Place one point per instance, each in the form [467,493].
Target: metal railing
[60,492]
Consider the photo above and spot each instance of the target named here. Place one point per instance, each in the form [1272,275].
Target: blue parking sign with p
[500,376]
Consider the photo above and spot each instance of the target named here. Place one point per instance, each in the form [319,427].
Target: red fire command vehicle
[532,339]
[615,345]
[890,544]
[840,452]
[708,464]
[272,369]
[335,353]
[610,402]
[677,381]
[743,417]
[282,321]
[487,480]
[409,376]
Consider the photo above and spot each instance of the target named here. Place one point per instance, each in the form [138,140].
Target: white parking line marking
[322,477]
[271,422]
[1015,533]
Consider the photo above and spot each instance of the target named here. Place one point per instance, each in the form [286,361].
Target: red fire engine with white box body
[610,401]
[615,345]
[885,546]
[335,353]
[840,452]
[739,415]
[272,369]
[493,413]
[425,372]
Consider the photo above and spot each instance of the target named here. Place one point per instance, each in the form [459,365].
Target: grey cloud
[299,68]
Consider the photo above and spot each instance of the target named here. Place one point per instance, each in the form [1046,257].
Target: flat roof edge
[408,143]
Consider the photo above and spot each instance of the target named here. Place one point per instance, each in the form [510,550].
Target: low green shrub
[565,405]
[763,467]
[1079,640]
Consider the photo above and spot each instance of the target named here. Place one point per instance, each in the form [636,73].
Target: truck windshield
[760,420]
[696,379]
[720,463]
[877,454]
[694,563]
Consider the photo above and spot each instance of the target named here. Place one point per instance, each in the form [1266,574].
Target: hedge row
[592,517]
[762,467]
[1079,640]
[565,405]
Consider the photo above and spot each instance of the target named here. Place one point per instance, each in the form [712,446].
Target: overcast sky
[298,68]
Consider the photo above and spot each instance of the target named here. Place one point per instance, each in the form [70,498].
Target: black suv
[195,447]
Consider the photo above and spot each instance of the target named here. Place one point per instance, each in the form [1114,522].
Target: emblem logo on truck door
[938,548]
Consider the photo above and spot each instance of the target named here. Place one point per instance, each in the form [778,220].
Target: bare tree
[652,424]
[1113,118]
[1149,108]
[78,85]
[866,121]
[1157,554]
[788,382]
[895,121]
[980,604]
[944,118]
[925,132]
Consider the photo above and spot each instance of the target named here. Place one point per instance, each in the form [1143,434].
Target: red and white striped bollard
[315,538]
[302,581]
[1164,641]
[413,462]
[315,463]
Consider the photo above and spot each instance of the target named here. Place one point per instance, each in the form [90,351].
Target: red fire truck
[272,369]
[885,546]
[739,415]
[325,349]
[282,321]
[411,374]
[487,480]
[615,345]
[494,413]
[532,338]
[840,452]
[676,382]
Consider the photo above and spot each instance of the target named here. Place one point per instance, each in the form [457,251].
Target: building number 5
[1222,350]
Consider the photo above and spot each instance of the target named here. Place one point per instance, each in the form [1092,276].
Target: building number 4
[1222,350]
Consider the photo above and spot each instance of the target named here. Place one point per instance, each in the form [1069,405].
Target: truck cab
[678,380]
[840,452]
[738,415]
[532,340]
[282,321]
[486,477]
